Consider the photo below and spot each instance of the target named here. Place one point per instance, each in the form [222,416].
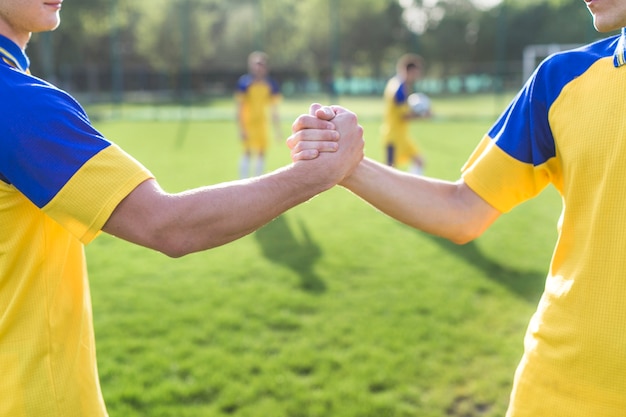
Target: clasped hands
[330,134]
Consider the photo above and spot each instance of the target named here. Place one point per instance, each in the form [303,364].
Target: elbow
[176,244]
[170,246]
[466,231]
[473,216]
[169,239]
[463,237]
[173,252]
[173,248]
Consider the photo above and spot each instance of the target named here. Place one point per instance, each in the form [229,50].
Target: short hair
[257,56]
[408,62]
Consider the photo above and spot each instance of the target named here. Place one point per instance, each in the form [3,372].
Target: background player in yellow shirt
[566,127]
[257,97]
[61,183]
[399,146]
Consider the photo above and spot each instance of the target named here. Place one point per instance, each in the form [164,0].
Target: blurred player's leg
[244,166]
[260,165]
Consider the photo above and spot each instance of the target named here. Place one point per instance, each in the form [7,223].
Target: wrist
[313,175]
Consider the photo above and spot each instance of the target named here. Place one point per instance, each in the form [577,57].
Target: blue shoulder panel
[523,131]
[45,136]
[244,82]
[275,87]
[400,96]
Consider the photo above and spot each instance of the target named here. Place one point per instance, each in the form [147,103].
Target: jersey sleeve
[275,91]
[399,96]
[52,154]
[243,83]
[516,160]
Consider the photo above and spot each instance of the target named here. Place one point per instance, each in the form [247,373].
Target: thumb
[324,113]
[314,108]
[338,109]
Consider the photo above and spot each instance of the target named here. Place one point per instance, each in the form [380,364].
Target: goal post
[534,54]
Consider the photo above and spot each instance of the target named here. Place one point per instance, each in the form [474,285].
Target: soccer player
[257,97]
[61,183]
[399,146]
[566,127]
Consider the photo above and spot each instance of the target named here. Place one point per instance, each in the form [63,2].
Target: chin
[49,28]
[604,27]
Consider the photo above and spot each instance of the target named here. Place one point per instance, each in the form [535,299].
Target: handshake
[328,141]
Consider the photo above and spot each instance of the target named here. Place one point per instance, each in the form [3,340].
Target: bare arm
[199,219]
[447,209]
[203,218]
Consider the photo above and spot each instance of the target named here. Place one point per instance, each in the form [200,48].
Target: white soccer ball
[419,103]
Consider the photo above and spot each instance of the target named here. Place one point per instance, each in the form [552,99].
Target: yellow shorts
[401,152]
[257,139]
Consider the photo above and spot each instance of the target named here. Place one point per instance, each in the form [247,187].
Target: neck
[20,38]
[21,43]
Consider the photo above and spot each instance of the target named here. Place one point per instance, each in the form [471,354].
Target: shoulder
[393,84]
[274,85]
[561,68]
[394,88]
[46,137]
[244,82]
[583,56]
[29,92]
[38,107]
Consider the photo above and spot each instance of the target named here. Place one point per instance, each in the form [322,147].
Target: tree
[319,38]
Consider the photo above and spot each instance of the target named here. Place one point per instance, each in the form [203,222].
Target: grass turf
[331,309]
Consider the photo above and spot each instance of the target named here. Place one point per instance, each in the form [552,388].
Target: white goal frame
[534,54]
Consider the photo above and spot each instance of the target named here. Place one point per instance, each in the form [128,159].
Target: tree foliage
[318,38]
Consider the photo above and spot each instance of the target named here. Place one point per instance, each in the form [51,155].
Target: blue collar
[12,54]
[619,57]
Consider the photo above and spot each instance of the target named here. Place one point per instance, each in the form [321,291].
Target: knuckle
[298,122]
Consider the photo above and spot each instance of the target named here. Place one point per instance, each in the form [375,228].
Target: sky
[486,4]
[483,4]
[417,18]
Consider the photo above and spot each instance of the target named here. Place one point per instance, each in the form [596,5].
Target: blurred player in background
[566,127]
[399,146]
[61,184]
[257,97]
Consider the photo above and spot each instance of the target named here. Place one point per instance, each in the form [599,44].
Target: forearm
[442,208]
[207,217]
[203,218]
[220,214]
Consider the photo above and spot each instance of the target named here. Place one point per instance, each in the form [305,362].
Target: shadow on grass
[526,284]
[280,245]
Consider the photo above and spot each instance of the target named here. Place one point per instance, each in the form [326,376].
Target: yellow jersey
[59,182]
[567,128]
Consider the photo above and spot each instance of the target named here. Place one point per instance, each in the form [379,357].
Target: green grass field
[332,309]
